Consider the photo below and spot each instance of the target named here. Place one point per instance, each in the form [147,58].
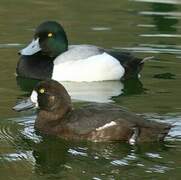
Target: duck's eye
[42,90]
[50,34]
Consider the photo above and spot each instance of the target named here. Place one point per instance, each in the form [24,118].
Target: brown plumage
[95,121]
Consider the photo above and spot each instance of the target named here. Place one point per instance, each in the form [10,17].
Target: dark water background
[146,27]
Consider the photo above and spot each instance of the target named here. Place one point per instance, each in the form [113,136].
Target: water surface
[145,27]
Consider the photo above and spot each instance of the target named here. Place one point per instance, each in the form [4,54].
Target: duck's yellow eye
[41,90]
[50,34]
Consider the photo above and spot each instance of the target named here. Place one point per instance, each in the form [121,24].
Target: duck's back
[106,122]
[77,52]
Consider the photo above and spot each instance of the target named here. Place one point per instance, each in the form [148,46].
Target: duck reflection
[50,155]
[132,87]
[164,23]
[53,156]
[91,91]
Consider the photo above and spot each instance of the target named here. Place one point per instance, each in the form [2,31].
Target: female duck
[49,56]
[95,122]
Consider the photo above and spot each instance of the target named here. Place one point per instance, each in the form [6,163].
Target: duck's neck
[47,121]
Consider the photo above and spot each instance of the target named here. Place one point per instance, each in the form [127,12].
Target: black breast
[37,66]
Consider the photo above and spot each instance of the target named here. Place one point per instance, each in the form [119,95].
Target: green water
[148,28]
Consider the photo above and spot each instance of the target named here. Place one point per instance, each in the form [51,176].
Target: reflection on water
[51,157]
[165,76]
[10,45]
[83,91]
[160,1]
[95,91]
[146,27]
[91,91]
[165,19]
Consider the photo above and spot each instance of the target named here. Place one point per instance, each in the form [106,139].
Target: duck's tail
[133,66]
[156,133]
[147,59]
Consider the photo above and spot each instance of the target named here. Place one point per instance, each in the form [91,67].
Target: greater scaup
[95,121]
[49,56]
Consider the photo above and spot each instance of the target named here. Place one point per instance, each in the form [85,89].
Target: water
[145,27]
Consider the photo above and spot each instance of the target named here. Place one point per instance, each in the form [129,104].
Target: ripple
[77,152]
[161,35]
[18,162]
[160,1]
[94,91]
[174,14]
[156,49]
[10,45]
[8,130]
[15,128]
[101,28]
[175,132]
[11,139]
[154,155]
[125,161]
[158,169]
[146,25]
[28,130]
[174,120]
[140,165]
[15,156]
[120,162]
[96,178]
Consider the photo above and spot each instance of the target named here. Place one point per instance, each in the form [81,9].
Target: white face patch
[34,98]
[112,123]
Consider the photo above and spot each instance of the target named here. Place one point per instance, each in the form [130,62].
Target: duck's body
[102,122]
[50,54]
[95,122]
[89,63]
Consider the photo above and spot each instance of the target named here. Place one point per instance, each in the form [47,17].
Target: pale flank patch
[112,123]
[134,137]
[132,140]
[95,68]
[34,97]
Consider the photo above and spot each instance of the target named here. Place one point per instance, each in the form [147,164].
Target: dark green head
[49,38]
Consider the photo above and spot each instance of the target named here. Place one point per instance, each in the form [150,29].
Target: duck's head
[49,38]
[48,96]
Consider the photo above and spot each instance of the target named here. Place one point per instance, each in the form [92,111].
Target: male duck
[49,56]
[95,122]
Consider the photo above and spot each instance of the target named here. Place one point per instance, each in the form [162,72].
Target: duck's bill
[24,105]
[32,48]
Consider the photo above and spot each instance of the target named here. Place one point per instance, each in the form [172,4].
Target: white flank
[133,138]
[34,98]
[112,123]
[95,68]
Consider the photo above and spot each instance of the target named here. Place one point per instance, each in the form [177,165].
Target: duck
[49,56]
[95,122]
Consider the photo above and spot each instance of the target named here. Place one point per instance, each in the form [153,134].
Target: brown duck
[94,122]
